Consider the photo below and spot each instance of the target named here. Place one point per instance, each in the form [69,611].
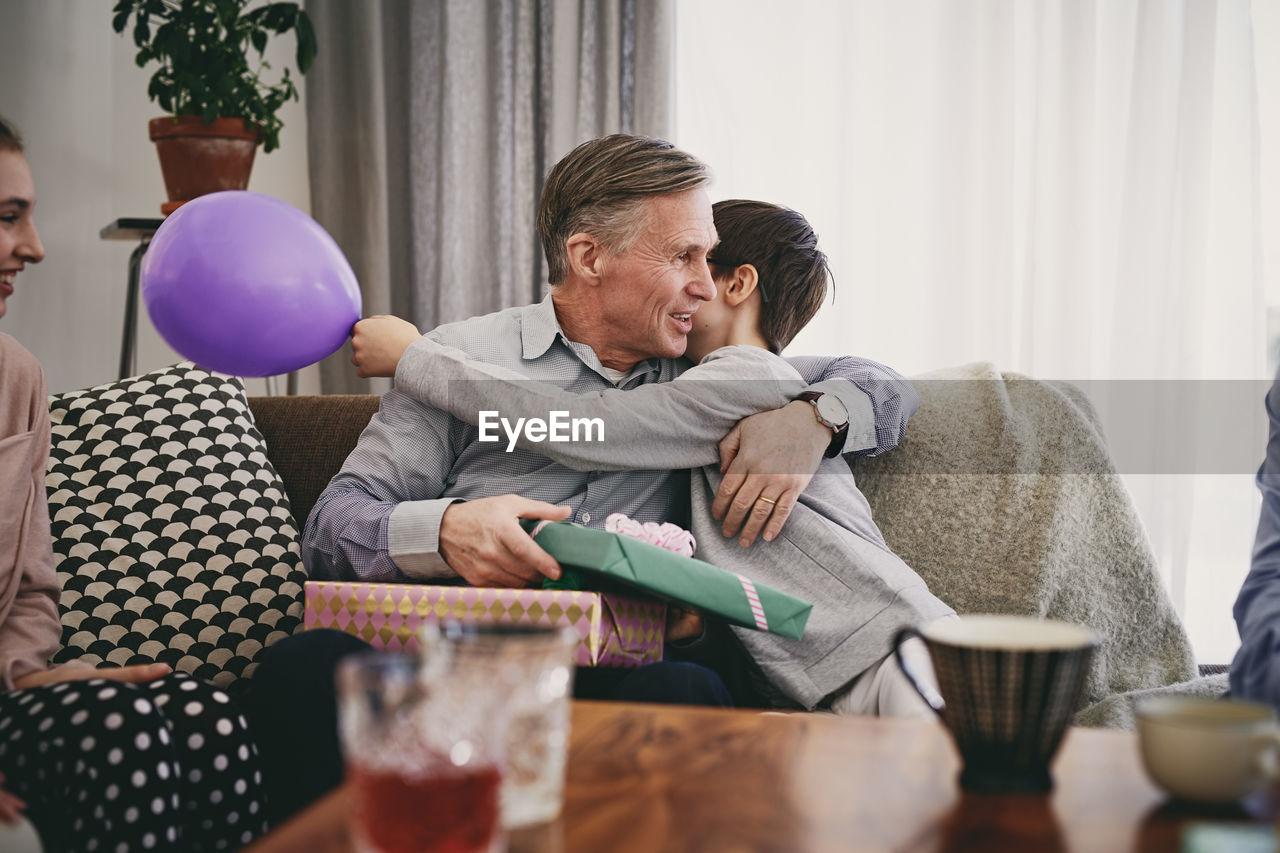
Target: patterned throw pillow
[173,533]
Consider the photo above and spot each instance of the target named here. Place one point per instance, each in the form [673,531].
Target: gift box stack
[649,562]
[613,631]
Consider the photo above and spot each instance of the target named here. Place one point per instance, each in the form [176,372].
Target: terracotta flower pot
[198,158]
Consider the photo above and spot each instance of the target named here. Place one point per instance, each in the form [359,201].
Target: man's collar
[539,328]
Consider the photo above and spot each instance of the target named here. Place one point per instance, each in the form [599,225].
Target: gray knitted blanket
[1004,499]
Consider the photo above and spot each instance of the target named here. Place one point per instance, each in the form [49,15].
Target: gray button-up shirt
[379,518]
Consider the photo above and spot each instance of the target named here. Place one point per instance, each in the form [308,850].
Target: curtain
[1065,188]
[431,124]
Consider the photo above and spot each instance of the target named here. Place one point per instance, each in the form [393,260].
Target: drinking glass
[531,670]
[423,758]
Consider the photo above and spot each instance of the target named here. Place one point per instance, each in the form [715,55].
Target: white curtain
[1065,188]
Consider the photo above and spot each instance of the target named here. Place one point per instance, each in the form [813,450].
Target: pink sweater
[29,626]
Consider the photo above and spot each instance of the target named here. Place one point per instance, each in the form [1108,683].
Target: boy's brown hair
[782,246]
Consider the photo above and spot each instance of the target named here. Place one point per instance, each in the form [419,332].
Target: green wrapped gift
[658,571]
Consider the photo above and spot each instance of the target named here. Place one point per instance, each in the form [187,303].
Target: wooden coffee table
[662,778]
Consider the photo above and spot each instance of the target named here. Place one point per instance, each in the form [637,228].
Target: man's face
[650,292]
[19,243]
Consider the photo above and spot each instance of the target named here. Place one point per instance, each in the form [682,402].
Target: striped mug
[1008,685]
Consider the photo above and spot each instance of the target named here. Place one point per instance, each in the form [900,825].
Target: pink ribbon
[753,601]
[665,535]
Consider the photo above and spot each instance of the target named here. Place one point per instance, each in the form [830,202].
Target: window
[1069,189]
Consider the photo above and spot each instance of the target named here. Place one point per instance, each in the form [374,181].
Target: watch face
[832,410]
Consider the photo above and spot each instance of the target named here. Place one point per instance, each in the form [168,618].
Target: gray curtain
[431,124]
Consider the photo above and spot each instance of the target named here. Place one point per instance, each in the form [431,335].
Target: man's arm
[878,398]
[1255,672]
[397,468]
[382,518]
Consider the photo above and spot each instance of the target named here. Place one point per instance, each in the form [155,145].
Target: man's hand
[767,460]
[11,806]
[483,542]
[378,342]
[137,674]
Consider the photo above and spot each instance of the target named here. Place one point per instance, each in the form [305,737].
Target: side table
[127,228]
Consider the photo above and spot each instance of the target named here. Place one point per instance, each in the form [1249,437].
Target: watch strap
[838,433]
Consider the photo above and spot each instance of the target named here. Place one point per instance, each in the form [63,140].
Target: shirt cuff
[861,435]
[413,539]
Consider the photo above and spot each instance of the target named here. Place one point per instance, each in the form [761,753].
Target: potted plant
[210,82]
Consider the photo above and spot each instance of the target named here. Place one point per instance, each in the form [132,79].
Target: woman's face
[19,243]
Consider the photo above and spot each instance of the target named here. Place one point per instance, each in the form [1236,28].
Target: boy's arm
[675,424]
[879,400]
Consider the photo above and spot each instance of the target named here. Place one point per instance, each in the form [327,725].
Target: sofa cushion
[173,534]
[309,438]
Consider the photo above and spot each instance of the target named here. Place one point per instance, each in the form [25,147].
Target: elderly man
[626,225]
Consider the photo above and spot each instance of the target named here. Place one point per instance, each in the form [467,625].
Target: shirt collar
[539,329]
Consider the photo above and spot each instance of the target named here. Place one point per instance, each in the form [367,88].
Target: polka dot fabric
[173,532]
[107,766]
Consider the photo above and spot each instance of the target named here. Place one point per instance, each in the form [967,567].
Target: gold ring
[766,500]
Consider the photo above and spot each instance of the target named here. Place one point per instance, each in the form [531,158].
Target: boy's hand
[378,342]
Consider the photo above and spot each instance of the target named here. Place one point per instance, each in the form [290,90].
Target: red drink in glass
[455,811]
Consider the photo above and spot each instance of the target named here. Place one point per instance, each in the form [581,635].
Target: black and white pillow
[173,533]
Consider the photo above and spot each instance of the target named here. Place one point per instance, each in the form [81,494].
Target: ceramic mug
[1008,685]
[1208,750]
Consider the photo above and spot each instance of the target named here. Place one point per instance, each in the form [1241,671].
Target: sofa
[177,502]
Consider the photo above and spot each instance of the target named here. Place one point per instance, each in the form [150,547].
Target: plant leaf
[307,48]
[203,50]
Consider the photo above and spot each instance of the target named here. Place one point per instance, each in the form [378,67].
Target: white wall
[71,86]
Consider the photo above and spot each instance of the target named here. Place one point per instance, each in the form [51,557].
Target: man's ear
[742,283]
[586,256]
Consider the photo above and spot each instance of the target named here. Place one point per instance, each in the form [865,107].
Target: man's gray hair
[600,187]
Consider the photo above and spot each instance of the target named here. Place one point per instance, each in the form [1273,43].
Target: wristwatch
[831,413]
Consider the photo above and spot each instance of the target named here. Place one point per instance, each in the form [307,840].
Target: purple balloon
[246,284]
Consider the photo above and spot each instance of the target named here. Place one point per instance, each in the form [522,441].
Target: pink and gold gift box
[613,631]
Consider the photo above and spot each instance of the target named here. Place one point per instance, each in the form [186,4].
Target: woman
[128,758]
